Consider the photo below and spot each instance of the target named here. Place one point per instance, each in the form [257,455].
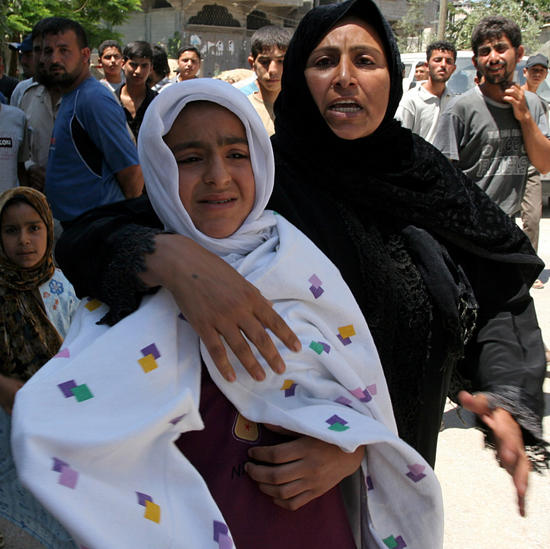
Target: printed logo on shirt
[238,470]
[245,429]
[6,142]
[503,155]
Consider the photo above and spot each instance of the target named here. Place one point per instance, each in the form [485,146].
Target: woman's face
[347,75]
[216,181]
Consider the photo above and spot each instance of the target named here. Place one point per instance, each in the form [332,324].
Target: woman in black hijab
[440,272]
[404,226]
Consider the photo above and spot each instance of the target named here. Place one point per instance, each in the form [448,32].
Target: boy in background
[135,95]
[268,46]
[189,63]
[110,57]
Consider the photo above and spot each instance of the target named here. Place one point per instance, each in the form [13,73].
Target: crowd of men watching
[73,136]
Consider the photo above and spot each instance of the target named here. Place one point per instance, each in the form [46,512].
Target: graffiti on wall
[220,51]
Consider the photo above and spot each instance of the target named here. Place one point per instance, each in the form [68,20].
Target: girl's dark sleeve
[102,251]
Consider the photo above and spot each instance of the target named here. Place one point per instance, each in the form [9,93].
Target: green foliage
[174,44]
[528,14]
[409,29]
[464,16]
[17,17]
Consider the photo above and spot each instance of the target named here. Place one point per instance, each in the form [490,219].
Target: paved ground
[480,506]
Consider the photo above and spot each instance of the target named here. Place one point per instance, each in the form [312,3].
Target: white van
[461,80]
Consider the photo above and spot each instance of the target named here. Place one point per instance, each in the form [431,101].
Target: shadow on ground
[458,418]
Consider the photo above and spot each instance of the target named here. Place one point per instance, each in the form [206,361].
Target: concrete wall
[154,26]
[223,48]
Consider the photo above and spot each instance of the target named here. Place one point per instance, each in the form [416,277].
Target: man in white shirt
[420,107]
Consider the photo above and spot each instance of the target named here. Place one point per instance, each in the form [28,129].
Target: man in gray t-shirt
[496,129]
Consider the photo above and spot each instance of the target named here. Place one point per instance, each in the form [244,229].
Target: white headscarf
[160,169]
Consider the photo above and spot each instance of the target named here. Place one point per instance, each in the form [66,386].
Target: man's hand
[508,441]
[219,303]
[8,388]
[300,470]
[536,143]
[515,96]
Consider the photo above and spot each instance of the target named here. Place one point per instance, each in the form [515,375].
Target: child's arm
[8,387]
[301,470]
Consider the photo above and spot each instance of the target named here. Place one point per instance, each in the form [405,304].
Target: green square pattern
[82,392]
[336,427]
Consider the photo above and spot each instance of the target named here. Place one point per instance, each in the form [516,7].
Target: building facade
[221,29]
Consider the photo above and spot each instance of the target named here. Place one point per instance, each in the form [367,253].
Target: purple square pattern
[343,340]
[220,529]
[58,465]
[177,419]
[416,472]
[361,394]
[315,287]
[335,419]
[66,388]
[368,481]
[291,390]
[151,350]
[343,400]
[67,476]
[142,498]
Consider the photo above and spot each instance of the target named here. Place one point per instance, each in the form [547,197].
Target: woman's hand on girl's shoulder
[219,303]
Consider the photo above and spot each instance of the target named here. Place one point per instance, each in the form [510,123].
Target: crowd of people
[277,321]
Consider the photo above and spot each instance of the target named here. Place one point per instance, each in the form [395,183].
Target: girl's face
[24,235]
[216,182]
[348,77]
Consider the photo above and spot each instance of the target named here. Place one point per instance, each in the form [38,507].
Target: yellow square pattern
[152,511]
[148,363]
[93,304]
[288,383]
[346,331]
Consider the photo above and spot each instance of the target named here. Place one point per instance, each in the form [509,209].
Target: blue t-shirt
[90,144]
